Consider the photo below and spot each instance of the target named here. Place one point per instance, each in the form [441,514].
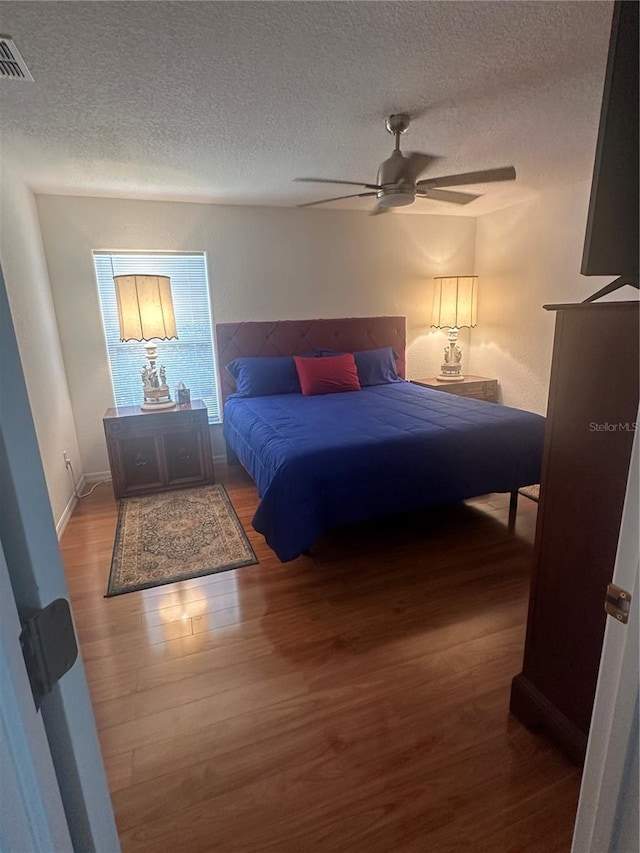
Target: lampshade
[145,307]
[455,302]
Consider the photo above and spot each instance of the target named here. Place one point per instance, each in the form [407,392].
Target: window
[189,359]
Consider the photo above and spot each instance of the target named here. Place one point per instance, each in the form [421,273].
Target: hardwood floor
[353,701]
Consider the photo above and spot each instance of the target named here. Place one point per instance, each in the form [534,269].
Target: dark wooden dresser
[593,404]
[154,451]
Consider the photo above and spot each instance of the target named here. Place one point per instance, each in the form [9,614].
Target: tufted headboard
[297,337]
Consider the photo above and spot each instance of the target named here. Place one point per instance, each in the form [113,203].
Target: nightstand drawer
[475,387]
[476,390]
[154,422]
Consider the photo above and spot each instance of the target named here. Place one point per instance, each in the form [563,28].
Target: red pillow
[327,375]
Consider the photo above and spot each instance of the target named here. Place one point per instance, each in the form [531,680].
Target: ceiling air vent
[12,65]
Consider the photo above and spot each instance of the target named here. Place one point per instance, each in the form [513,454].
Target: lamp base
[444,377]
[451,367]
[157,407]
[156,399]
[156,391]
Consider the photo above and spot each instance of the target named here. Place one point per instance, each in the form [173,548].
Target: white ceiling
[229,101]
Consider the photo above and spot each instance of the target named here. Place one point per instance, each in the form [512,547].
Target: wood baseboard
[62,522]
[536,711]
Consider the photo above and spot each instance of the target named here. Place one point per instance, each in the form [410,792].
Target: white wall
[528,255]
[31,305]
[267,263]
[264,263]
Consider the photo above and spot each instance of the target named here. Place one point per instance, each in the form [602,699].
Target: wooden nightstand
[155,451]
[478,387]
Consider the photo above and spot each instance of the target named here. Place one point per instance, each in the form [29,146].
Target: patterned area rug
[174,536]
[532,492]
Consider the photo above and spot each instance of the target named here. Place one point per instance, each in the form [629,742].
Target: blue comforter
[324,461]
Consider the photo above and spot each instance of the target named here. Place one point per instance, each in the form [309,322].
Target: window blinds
[191,358]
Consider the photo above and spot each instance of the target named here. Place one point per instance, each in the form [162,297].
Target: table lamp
[455,301]
[145,313]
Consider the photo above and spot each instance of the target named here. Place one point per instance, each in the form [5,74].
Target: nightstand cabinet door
[184,456]
[154,451]
[137,462]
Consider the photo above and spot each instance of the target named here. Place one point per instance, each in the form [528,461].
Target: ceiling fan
[398,184]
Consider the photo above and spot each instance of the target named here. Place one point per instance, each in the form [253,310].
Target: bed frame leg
[513,509]
[232,459]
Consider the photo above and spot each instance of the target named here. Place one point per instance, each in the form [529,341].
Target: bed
[335,459]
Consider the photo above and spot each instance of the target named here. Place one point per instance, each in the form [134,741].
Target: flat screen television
[611,241]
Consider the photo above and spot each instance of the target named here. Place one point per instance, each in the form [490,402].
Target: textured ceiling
[229,101]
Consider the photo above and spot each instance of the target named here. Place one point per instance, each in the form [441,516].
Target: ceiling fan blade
[487,176]
[337,198]
[329,181]
[417,162]
[378,209]
[445,195]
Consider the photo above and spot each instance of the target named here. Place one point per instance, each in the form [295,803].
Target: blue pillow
[376,366]
[261,377]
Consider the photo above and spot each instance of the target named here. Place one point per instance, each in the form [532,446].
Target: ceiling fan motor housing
[395,191]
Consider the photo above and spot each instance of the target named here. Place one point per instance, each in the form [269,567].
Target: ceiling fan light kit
[397,183]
